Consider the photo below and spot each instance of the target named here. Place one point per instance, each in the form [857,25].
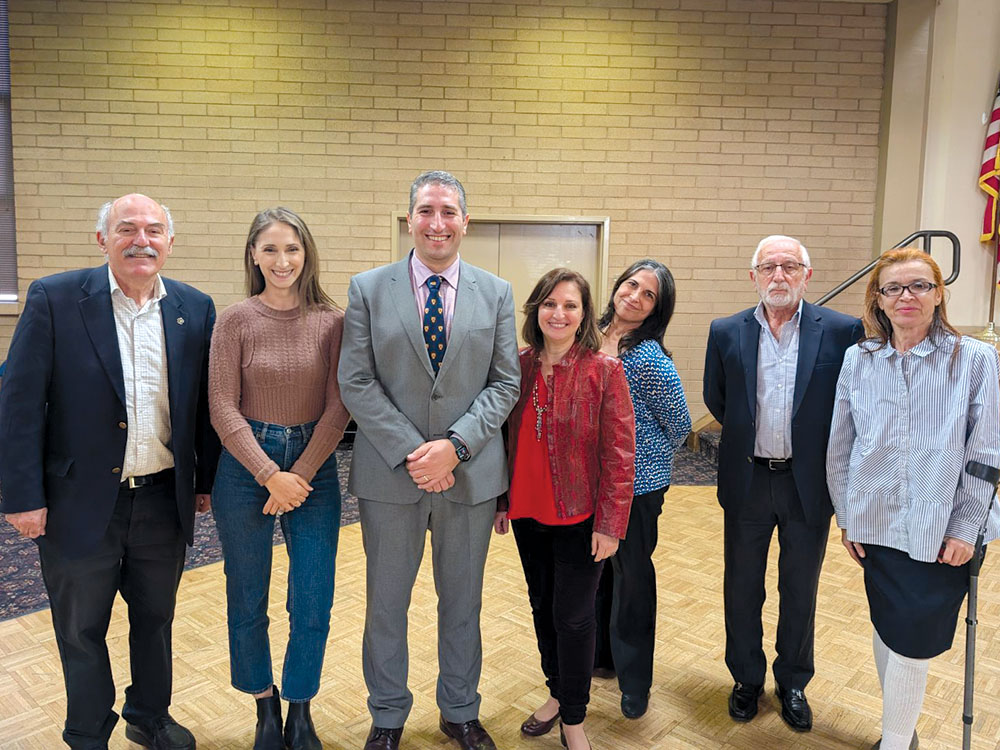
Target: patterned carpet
[22,591]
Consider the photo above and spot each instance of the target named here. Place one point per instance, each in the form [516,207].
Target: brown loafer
[535,727]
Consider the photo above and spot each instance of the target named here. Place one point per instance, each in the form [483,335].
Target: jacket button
[749,459]
[436,397]
[122,425]
[116,470]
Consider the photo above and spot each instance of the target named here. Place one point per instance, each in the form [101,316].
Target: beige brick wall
[698,126]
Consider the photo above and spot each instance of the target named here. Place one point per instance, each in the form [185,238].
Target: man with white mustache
[770,378]
[106,452]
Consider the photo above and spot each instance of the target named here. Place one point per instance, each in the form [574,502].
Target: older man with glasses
[770,378]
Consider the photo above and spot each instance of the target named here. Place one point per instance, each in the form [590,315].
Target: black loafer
[161,733]
[634,705]
[743,701]
[795,708]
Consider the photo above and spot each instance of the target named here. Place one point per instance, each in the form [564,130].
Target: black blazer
[62,406]
[730,393]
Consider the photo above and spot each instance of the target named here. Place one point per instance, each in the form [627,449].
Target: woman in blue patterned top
[641,305]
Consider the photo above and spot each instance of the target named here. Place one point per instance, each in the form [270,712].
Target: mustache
[133,251]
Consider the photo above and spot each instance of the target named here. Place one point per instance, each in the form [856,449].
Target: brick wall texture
[698,126]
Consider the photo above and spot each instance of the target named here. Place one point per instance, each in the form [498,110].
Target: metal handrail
[925,236]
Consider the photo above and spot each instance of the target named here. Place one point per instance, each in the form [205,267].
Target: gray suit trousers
[394,537]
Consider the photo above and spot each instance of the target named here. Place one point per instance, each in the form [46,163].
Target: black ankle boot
[300,734]
[268,735]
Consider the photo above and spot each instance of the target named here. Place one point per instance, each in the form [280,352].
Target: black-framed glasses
[789,269]
[915,287]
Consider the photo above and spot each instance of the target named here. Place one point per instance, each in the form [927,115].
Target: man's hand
[602,546]
[955,552]
[288,491]
[29,524]
[202,503]
[431,465]
[854,549]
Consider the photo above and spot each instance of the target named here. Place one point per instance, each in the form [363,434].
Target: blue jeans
[311,532]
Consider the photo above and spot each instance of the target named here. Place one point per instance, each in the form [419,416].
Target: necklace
[539,411]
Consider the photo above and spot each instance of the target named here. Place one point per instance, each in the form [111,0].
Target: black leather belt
[774,464]
[148,480]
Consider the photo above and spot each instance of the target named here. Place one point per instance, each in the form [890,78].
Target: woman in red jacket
[571,451]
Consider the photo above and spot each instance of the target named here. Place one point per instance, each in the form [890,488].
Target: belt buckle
[772,464]
[133,483]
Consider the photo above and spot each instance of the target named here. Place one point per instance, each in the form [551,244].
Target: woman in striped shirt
[915,402]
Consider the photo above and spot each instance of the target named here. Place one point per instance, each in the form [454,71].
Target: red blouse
[531,493]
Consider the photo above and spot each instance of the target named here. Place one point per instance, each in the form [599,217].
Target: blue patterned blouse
[662,420]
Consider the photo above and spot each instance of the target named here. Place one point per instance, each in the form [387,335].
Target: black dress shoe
[634,705]
[795,709]
[535,727]
[383,738]
[469,735]
[743,701]
[161,733]
[300,733]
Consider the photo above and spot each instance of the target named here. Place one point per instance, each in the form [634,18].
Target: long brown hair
[587,335]
[878,327]
[310,294]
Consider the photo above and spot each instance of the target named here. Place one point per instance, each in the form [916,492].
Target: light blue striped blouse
[904,426]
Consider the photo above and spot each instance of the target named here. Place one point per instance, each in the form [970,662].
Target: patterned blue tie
[434,334]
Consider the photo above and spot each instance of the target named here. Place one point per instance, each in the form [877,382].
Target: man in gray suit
[429,371]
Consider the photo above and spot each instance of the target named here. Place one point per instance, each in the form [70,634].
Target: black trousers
[626,600]
[142,556]
[773,502]
[562,582]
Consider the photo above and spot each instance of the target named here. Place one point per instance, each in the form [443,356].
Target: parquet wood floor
[688,703]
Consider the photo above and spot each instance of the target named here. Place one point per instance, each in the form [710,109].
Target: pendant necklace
[539,411]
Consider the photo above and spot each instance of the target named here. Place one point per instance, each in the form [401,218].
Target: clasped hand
[288,491]
[954,552]
[431,465]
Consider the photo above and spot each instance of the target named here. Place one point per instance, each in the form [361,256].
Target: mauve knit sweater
[280,367]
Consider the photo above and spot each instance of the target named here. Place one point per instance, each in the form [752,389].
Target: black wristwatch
[460,448]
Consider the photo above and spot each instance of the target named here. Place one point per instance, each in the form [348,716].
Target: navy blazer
[730,393]
[63,421]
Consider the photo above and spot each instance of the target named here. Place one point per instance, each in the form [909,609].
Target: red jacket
[591,436]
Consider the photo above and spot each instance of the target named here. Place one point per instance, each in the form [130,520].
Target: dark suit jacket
[62,406]
[730,392]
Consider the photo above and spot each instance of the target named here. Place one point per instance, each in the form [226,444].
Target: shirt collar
[761,318]
[421,272]
[922,349]
[161,289]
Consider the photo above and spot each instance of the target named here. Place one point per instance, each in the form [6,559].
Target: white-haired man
[770,377]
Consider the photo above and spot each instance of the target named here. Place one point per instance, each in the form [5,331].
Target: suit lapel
[465,303]
[401,292]
[749,339]
[99,320]
[810,336]
[175,327]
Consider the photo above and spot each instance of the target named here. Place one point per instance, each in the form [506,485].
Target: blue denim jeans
[311,532]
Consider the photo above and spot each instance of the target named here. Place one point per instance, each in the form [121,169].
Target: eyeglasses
[789,269]
[915,288]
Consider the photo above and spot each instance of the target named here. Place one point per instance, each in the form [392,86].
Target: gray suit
[388,385]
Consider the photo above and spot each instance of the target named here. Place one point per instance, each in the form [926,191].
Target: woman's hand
[854,549]
[500,522]
[288,492]
[955,552]
[602,546]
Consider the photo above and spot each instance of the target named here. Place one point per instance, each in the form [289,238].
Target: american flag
[989,175]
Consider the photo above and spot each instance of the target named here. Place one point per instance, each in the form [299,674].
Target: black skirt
[914,605]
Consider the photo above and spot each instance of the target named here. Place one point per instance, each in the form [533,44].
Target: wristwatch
[461,450]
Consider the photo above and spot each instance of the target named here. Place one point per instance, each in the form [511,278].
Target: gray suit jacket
[387,383]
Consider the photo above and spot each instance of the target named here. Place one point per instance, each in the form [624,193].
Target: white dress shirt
[144,367]
[904,427]
[777,360]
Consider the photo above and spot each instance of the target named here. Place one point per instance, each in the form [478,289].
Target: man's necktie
[434,334]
